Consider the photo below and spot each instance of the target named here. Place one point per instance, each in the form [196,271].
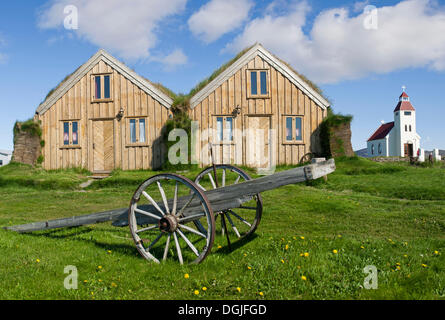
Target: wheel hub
[168,223]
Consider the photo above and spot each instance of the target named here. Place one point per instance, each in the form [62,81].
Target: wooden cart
[171,216]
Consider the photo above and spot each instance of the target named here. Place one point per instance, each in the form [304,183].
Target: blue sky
[179,43]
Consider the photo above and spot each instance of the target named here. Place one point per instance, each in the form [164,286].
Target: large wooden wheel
[242,221]
[159,223]
[307,158]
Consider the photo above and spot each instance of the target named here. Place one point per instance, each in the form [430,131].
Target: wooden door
[257,146]
[103,146]
[409,150]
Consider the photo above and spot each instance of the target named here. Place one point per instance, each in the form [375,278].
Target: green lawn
[391,216]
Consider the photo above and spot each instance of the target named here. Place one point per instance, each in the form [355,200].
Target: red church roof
[404,95]
[382,132]
[404,105]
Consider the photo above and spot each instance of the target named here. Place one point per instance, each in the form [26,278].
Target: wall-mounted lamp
[120,115]
[236,111]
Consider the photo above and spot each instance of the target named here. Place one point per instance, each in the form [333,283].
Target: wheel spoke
[175,199]
[192,218]
[195,251]
[153,202]
[185,206]
[166,247]
[201,187]
[147,214]
[192,230]
[224,178]
[212,181]
[178,248]
[233,225]
[164,198]
[154,242]
[242,219]
[237,180]
[145,229]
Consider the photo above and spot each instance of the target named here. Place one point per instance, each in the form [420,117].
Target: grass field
[313,241]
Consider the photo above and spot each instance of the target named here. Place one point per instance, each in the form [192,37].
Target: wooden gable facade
[258,112]
[102,117]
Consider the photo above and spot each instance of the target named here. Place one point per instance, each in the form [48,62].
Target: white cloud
[218,17]
[126,27]
[339,47]
[171,61]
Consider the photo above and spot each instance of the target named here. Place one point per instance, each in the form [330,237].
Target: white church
[398,138]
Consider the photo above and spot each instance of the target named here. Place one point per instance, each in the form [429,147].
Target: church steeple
[404,103]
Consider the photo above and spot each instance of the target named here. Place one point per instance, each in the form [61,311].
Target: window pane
[219,129]
[98,91]
[298,127]
[289,129]
[141,130]
[107,93]
[75,133]
[66,133]
[132,130]
[263,78]
[229,128]
[253,83]
[407,113]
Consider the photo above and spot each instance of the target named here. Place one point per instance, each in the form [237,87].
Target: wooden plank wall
[285,98]
[76,105]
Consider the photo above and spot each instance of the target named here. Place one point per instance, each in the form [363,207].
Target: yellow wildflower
[113,285]
[261,293]
[204,288]
[303,278]
[335,251]
[302,238]
[186,276]
[424,265]
[196,292]
[306,254]
[286,247]
[282,261]
[238,289]
[38,260]
[436,252]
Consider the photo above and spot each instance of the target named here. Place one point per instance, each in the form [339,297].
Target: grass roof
[224,67]
[180,98]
